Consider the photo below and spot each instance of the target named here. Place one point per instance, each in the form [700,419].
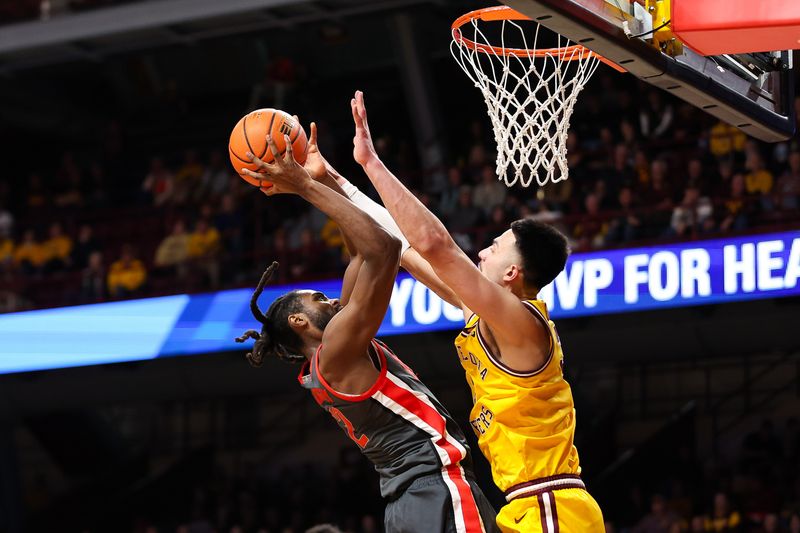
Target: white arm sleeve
[376,211]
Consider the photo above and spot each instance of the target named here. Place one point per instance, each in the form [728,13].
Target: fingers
[258,162]
[276,154]
[356,116]
[255,175]
[312,140]
[362,109]
[288,157]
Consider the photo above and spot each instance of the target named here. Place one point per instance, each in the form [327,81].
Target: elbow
[385,249]
[392,248]
[432,242]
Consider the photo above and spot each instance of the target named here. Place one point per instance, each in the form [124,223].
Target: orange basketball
[250,134]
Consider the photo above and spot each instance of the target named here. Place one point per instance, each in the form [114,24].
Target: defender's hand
[363,149]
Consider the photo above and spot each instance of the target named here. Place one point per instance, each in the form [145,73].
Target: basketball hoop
[529,93]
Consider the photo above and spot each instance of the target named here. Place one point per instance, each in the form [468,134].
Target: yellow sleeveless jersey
[525,422]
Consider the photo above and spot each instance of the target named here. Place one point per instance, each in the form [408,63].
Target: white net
[530,96]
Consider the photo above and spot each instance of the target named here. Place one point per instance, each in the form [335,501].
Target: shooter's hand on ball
[363,149]
[315,163]
[285,174]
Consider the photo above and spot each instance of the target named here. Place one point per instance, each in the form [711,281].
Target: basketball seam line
[238,157]
[244,130]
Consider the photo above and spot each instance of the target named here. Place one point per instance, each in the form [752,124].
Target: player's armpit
[521,337]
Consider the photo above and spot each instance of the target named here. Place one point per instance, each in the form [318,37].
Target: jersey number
[339,416]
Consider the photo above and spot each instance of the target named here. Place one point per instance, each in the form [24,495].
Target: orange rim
[497,13]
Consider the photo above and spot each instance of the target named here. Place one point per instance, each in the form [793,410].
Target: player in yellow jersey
[523,414]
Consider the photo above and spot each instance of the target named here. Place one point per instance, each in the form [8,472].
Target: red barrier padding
[714,27]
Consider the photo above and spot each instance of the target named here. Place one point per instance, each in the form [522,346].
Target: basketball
[250,134]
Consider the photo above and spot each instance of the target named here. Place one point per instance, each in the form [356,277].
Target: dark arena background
[129,249]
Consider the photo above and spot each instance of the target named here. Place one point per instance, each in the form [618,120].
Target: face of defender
[497,260]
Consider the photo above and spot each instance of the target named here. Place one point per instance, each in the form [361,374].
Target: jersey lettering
[474,361]
[321,396]
[348,427]
[482,422]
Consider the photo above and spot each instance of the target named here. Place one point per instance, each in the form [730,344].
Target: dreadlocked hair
[276,338]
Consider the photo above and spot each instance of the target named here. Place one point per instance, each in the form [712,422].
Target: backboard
[754,92]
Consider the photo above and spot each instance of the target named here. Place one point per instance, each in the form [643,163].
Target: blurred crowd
[758,491]
[640,172]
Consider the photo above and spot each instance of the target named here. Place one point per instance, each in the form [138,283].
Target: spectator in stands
[659,520]
[71,195]
[658,193]
[794,520]
[724,139]
[37,195]
[628,133]
[695,173]
[476,160]
[188,179]
[576,157]
[306,256]
[84,247]
[57,249]
[96,193]
[158,184]
[489,192]
[93,279]
[278,250]
[6,220]
[6,251]
[722,184]
[324,528]
[691,215]
[229,221]
[29,255]
[600,190]
[786,194]
[448,201]
[173,252]
[216,177]
[204,248]
[498,222]
[66,174]
[641,166]
[626,226]
[771,523]
[335,250]
[722,517]
[592,229]
[655,117]
[736,207]
[758,180]
[464,219]
[622,170]
[127,275]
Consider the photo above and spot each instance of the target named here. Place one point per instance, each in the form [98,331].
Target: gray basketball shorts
[439,503]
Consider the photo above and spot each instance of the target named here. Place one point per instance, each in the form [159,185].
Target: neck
[310,349]
[522,292]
